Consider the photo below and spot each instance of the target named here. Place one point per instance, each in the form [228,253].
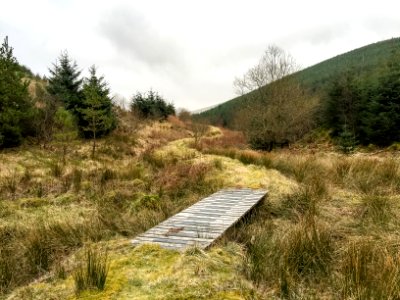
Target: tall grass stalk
[370,270]
[92,273]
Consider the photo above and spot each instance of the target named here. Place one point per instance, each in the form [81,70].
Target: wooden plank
[205,221]
[185,233]
[172,237]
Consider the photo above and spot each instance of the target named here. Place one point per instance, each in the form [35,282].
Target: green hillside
[318,77]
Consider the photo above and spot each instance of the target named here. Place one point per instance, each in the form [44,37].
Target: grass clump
[132,171]
[303,201]
[366,175]
[218,164]
[285,260]
[249,157]
[92,274]
[307,249]
[77,179]
[6,272]
[260,256]
[56,169]
[10,183]
[106,176]
[370,270]
[377,209]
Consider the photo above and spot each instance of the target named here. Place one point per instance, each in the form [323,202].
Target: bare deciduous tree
[273,65]
[184,115]
[199,130]
[278,109]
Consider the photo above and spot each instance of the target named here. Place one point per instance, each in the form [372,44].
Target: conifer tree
[382,123]
[15,105]
[151,106]
[97,111]
[65,84]
[344,104]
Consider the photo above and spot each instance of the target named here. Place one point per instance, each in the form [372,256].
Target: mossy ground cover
[150,272]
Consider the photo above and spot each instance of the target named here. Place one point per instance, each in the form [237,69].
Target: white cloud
[190,51]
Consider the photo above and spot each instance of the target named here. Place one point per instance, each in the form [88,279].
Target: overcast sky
[188,51]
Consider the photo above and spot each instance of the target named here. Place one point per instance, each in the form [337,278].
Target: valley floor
[329,228]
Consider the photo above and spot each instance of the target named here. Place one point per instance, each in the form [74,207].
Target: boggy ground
[328,229]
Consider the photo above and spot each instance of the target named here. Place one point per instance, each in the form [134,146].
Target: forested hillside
[318,78]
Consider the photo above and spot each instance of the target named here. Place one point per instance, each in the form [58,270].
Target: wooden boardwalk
[204,222]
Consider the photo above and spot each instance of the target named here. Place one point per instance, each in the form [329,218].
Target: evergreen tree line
[65,103]
[151,106]
[64,106]
[365,109]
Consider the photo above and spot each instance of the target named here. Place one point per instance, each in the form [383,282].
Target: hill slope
[318,77]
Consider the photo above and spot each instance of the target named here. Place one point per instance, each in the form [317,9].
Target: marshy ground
[328,229]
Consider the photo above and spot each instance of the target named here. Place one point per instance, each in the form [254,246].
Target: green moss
[150,272]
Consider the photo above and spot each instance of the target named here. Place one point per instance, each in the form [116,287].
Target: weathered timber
[203,222]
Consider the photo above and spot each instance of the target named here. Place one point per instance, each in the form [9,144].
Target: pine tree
[64,83]
[381,122]
[15,104]
[344,105]
[98,113]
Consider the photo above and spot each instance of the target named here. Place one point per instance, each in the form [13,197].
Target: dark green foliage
[381,122]
[344,104]
[15,105]
[151,106]
[97,105]
[97,113]
[366,108]
[24,71]
[347,141]
[65,84]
